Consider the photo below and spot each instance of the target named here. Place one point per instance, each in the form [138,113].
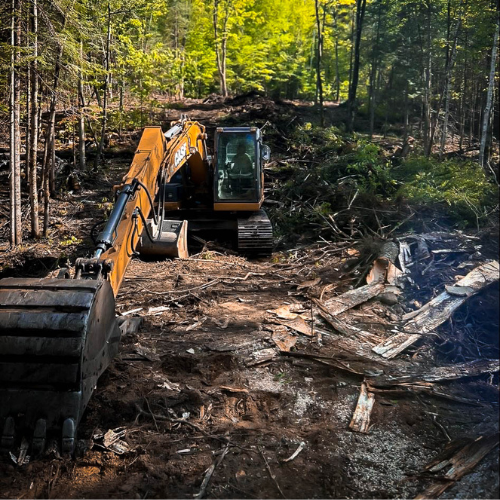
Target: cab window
[237,176]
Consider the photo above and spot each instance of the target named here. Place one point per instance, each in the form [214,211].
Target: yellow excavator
[58,335]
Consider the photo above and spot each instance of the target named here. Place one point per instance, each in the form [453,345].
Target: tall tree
[33,158]
[223,7]
[105,89]
[489,97]
[15,132]
[360,15]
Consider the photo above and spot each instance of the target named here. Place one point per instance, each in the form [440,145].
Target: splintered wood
[352,298]
[438,310]
[361,419]
[442,373]
[457,461]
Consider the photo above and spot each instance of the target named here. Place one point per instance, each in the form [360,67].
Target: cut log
[459,464]
[384,265]
[353,298]
[361,419]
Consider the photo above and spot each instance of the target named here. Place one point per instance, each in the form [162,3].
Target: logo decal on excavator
[180,154]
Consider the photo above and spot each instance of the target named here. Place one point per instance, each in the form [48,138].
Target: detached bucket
[171,241]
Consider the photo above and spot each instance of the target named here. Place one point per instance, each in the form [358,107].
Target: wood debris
[457,463]
[149,354]
[308,284]
[442,373]
[438,310]
[302,445]
[299,325]
[394,345]
[129,325]
[384,269]
[283,339]
[353,298]
[261,356]
[233,389]
[361,419]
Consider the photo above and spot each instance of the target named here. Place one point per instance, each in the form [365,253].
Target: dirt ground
[204,387]
[190,388]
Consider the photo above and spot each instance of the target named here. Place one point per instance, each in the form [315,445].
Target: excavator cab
[239,155]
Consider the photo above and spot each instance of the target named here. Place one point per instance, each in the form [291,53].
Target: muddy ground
[203,383]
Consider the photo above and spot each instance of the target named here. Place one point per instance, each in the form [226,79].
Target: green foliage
[373,170]
[460,188]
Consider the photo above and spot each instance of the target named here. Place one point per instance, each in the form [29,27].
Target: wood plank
[361,419]
[440,373]
[395,344]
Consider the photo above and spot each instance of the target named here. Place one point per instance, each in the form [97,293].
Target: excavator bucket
[171,241]
[57,336]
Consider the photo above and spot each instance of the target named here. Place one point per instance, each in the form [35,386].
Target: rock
[388,298]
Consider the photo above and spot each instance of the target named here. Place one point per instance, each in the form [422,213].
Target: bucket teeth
[39,436]
[68,436]
[8,433]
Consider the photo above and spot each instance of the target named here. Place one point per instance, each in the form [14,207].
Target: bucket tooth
[8,433]
[68,436]
[39,436]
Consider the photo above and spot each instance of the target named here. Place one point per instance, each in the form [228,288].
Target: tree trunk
[428,87]
[27,162]
[337,71]
[483,160]
[105,93]
[120,125]
[81,117]
[49,166]
[221,48]
[35,229]
[16,227]
[319,53]
[12,113]
[447,87]
[360,14]
[373,72]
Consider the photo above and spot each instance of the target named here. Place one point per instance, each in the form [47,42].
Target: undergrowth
[330,181]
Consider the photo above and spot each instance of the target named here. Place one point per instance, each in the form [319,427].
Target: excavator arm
[57,336]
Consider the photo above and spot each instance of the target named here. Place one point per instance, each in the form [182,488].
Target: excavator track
[57,336]
[255,234]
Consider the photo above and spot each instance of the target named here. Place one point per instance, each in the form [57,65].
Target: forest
[86,69]
[169,329]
